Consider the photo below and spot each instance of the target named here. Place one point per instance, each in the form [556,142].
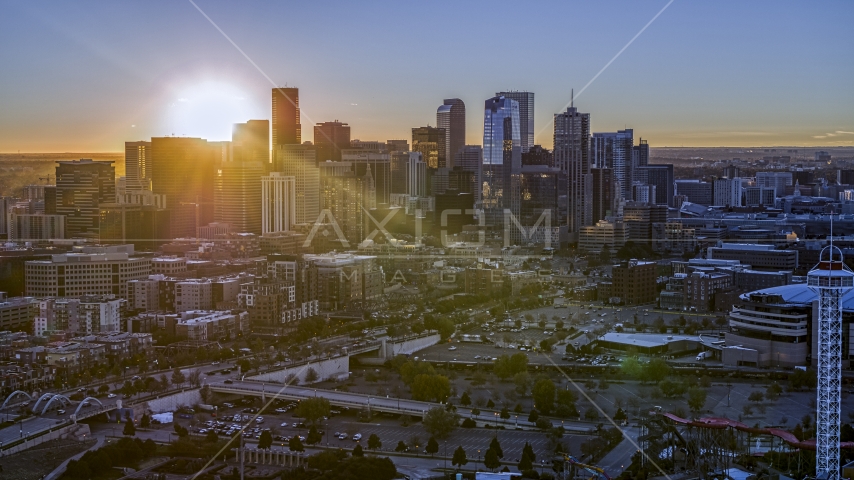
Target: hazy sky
[86,76]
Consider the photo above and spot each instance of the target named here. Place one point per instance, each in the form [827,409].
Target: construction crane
[597,473]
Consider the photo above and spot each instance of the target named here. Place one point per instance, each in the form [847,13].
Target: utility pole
[241,454]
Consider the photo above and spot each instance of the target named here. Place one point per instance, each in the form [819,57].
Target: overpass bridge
[339,399]
[268,391]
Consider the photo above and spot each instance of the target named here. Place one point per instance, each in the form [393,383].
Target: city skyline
[725,74]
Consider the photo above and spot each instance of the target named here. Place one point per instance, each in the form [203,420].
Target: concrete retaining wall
[407,347]
[170,403]
[325,369]
[76,431]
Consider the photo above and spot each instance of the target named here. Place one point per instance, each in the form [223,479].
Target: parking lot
[283,424]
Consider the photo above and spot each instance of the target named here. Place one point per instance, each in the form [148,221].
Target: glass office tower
[526,116]
[502,158]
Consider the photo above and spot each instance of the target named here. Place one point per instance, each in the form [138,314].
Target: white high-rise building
[278,203]
[614,150]
[137,166]
[777,180]
[298,161]
[728,192]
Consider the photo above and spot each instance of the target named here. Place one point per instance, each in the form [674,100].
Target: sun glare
[208,110]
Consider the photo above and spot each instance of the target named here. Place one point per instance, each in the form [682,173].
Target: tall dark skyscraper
[660,175]
[604,193]
[538,155]
[502,157]
[572,156]
[81,186]
[470,159]
[451,117]
[526,116]
[430,141]
[184,170]
[286,122]
[238,181]
[640,153]
[329,139]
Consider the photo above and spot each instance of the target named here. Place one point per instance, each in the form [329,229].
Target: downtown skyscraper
[615,150]
[451,118]
[137,166]
[502,156]
[238,181]
[286,120]
[526,116]
[183,170]
[572,157]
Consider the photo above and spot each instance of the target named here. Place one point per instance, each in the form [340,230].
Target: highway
[375,403]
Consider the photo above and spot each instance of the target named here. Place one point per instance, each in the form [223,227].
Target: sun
[209,110]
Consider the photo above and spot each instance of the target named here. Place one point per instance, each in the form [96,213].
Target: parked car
[357,437]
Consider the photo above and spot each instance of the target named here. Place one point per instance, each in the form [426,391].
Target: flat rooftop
[646,340]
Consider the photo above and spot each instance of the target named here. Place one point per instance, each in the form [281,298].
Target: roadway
[358,401]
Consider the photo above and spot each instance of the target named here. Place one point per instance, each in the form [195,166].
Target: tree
[432,446]
[103,389]
[525,463]
[430,387]
[490,404]
[311,376]
[313,436]
[773,391]
[631,367]
[145,421]
[195,377]
[211,436]
[178,377]
[756,396]
[507,366]
[401,447]
[181,431]
[656,370]
[533,416]
[523,382]
[374,442]
[495,445]
[591,414]
[358,451]
[800,379]
[465,400]
[490,460]
[528,451]
[505,413]
[130,429]
[544,395]
[127,389]
[206,393]
[459,459]
[440,422]
[696,398]
[313,409]
[295,444]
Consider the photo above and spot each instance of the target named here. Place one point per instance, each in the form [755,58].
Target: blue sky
[86,76]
